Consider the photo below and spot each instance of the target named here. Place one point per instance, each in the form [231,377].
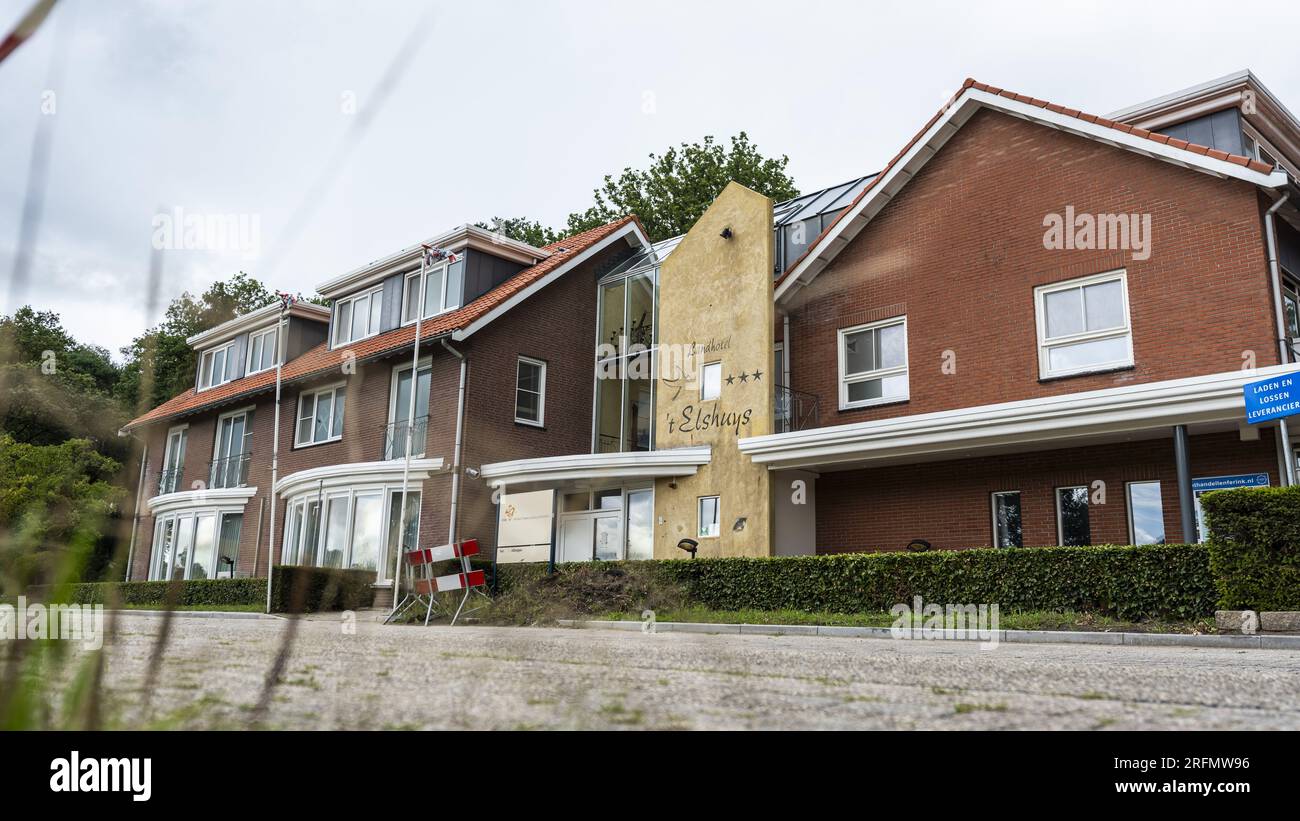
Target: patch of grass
[963,708]
[1066,620]
[616,713]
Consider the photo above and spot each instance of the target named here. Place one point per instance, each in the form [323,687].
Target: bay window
[1083,325]
[346,527]
[320,416]
[201,544]
[873,363]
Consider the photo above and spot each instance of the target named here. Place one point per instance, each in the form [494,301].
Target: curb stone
[1011,636]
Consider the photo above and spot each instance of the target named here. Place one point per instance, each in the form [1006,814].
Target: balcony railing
[231,471]
[168,480]
[396,435]
[795,410]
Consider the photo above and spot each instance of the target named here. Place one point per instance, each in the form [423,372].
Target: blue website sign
[1228,482]
[1272,398]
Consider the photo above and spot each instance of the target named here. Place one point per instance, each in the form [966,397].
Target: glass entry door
[588,536]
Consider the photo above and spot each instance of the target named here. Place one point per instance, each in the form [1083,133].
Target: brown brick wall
[948,503]
[960,251]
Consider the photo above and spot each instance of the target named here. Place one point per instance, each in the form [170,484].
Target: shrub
[311,589]
[1254,547]
[297,589]
[1169,581]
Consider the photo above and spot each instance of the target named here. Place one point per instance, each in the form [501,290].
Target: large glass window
[261,350]
[1072,516]
[1146,513]
[173,460]
[442,289]
[1083,325]
[367,518]
[403,424]
[232,450]
[228,545]
[320,416]
[1007,529]
[215,367]
[337,509]
[873,363]
[358,317]
[191,545]
[640,524]
[625,373]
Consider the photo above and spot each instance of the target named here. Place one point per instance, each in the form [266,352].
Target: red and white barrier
[456,581]
[443,553]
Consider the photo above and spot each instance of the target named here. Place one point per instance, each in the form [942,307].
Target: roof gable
[973,97]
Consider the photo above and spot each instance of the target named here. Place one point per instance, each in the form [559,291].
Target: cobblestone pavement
[509,678]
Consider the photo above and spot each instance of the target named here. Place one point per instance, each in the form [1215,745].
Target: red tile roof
[321,359]
[1254,165]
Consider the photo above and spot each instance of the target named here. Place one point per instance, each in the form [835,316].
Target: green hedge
[1255,547]
[311,589]
[1168,581]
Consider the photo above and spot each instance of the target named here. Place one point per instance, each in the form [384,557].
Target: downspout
[275,453]
[456,453]
[1284,349]
[135,518]
[785,349]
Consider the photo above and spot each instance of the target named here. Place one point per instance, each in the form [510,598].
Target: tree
[673,192]
[163,352]
[523,230]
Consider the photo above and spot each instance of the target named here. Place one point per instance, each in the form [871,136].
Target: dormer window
[442,290]
[358,316]
[261,350]
[215,367]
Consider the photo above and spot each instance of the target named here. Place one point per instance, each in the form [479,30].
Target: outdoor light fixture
[918,545]
[689,545]
[726,233]
[471,473]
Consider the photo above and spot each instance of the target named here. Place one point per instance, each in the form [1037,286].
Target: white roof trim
[1211,398]
[938,134]
[253,320]
[462,236]
[227,498]
[355,474]
[647,464]
[632,229]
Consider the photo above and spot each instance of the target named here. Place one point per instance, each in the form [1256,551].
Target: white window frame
[993,513]
[1056,502]
[879,373]
[190,519]
[340,327]
[426,363]
[699,517]
[1128,504]
[445,268]
[1045,345]
[316,393]
[249,365]
[177,439]
[704,381]
[209,356]
[294,535]
[541,391]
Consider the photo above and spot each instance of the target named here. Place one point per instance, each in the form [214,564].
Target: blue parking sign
[1272,398]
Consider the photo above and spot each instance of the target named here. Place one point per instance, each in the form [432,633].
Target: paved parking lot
[508,678]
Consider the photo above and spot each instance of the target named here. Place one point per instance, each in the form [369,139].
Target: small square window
[709,517]
[710,381]
[1083,325]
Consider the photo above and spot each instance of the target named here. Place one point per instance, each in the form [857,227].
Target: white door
[577,539]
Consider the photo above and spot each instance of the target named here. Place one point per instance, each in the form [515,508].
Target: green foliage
[1254,547]
[671,194]
[50,497]
[297,589]
[293,589]
[1164,581]
[523,230]
[163,352]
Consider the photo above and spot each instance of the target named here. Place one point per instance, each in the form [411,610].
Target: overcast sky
[245,108]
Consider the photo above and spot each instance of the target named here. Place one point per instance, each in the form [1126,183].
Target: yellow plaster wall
[716,294]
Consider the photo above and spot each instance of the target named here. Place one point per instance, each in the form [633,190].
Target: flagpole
[285,301]
[410,427]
